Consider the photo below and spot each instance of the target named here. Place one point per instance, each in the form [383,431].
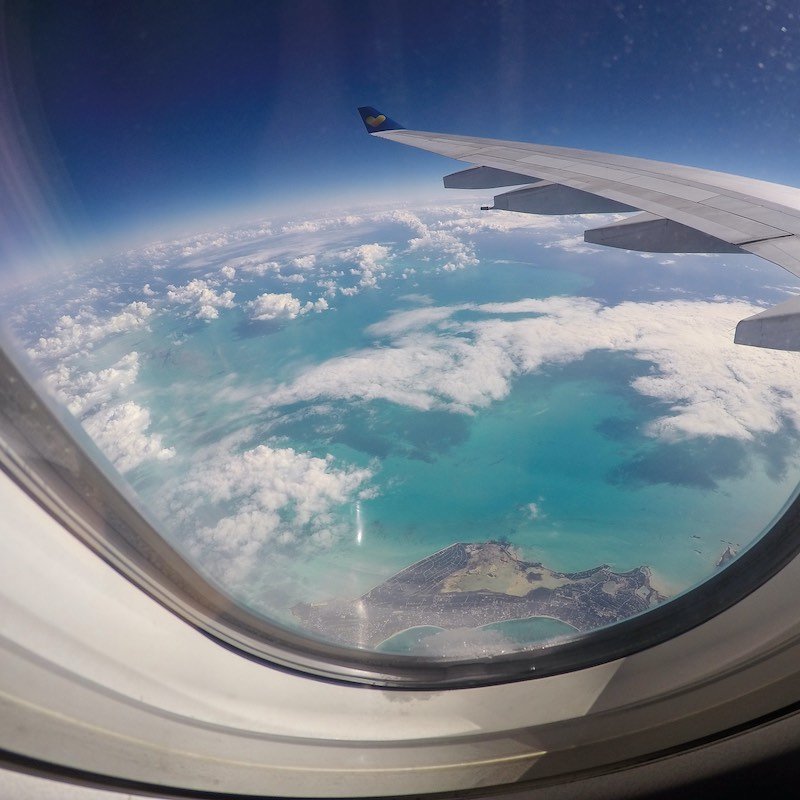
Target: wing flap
[550,198]
[783,251]
[648,233]
[668,196]
[687,209]
[484,178]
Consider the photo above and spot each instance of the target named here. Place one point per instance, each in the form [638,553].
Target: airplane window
[370,412]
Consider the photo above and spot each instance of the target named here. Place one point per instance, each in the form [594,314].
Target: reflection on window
[430,431]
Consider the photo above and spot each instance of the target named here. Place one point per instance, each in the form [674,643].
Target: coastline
[475,585]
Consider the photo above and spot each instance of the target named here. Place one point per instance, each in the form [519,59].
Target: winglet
[374,121]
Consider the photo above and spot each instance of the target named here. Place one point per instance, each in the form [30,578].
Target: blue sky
[189,110]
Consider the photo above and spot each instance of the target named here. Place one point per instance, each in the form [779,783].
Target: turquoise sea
[515,632]
[562,467]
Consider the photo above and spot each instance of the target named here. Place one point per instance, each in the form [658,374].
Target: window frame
[101,684]
[46,452]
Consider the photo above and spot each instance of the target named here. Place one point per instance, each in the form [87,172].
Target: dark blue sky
[162,110]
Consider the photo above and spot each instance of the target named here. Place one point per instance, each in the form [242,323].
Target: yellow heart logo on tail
[373,122]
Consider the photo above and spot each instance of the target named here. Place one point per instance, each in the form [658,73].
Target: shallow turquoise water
[568,441]
[514,632]
[531,629]
[409,640]
[562,439]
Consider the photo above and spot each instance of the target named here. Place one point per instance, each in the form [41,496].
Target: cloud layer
[269,306]
[433,359]
[79,333]
[280,497]
[236,503]
[122,433]
[203,300]
[118,426]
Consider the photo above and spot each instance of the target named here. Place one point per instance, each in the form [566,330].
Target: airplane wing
[683,209]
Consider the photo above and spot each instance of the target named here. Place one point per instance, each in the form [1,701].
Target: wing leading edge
[686,209]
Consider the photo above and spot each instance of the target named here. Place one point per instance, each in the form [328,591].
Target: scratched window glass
[370,409]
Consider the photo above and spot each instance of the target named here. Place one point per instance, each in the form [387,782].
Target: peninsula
[467,585]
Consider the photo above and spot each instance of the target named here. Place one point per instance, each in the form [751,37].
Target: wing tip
[374,121]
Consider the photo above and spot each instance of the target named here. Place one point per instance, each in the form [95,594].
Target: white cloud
[318,305]
[203,300]
[368,259]
[213,240]
[434,357]
[432,240]
[713,387]
[322,224]
[329,286]
[305,262]
[571,244]
[119,428]
[81,392]
[444,246]
[420,370]
[402,217]
[368,256]
[269,306]
[256,266]
[418,299]
[207,312]
[437,230]
[415,319]
[121,432]
[79,333]
[466,220]
[525,306]
[307,226]
[273,306]
[279,496]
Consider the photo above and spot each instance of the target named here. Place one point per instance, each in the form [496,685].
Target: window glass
[369,410]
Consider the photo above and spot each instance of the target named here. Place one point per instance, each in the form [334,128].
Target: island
[467,585]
